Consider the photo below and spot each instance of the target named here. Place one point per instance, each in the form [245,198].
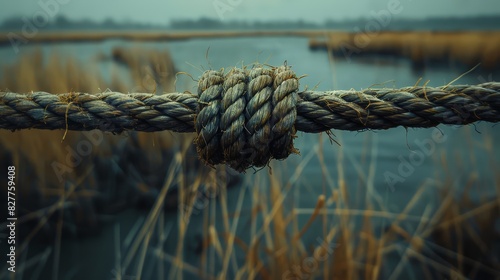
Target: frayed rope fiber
[246,117]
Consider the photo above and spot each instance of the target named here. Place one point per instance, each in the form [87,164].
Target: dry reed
[468,48]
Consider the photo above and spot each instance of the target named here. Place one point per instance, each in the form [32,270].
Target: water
[416,157]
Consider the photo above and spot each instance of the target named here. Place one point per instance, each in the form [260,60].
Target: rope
[246,117]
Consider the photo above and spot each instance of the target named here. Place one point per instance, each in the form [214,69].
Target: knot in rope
[246,117]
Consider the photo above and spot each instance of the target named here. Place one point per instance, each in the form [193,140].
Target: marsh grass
[152,71]
[119,170]
[421,47]
[260,230]
[413,241]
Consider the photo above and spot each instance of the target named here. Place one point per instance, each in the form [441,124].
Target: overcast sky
[162,11]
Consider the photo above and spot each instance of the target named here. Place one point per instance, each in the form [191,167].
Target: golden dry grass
[469,48]
[38,150]
[147,73]
[56,75]
[277,249]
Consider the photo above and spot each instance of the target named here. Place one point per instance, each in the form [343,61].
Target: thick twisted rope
[246,117]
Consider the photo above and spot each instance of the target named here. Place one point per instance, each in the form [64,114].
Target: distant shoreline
[92,36]
[318,37]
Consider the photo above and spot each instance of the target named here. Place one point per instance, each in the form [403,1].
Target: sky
[162,11]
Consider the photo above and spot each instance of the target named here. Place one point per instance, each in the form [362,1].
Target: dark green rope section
[246,117]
